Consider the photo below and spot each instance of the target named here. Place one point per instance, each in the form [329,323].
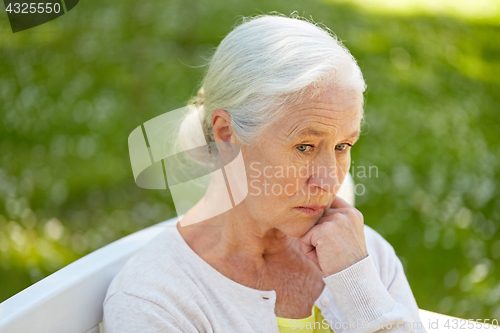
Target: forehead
[330,112]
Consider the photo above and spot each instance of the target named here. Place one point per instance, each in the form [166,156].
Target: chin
[299,229]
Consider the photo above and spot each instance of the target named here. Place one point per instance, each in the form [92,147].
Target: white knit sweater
[168,288]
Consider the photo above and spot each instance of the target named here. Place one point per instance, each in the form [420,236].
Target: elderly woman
[301,259]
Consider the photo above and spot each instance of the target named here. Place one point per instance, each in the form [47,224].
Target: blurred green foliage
[73,89]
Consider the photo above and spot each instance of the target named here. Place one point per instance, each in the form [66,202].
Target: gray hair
[264,65]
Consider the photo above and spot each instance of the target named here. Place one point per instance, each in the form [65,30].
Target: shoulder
[124,313]
[152,273]
[152,287]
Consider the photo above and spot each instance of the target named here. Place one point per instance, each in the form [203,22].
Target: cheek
[270,184]
[343,165]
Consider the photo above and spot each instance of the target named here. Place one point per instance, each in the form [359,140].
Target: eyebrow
[354,134]
[310,132]
[314,132]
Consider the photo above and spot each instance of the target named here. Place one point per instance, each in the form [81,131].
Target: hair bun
[200,98]
[200,101]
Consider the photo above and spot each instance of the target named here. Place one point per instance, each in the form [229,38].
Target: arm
[368,305]
[336,244]
[126,313]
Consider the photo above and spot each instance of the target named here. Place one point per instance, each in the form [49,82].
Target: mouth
[314,210]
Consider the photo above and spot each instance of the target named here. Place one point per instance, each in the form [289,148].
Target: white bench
[70,300]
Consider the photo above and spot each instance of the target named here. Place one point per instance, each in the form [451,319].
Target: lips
[312,210]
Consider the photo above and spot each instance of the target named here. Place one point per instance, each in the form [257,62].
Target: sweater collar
[254,296]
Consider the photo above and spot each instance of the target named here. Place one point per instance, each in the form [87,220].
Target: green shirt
[315,323]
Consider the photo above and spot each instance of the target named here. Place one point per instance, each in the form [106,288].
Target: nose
[326,175]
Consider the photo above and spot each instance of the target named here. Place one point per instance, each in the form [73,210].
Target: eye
[342,146]
[303,148]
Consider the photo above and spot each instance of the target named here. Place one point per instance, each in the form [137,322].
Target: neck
[237,236]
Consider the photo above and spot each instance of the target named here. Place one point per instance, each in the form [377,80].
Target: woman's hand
[337,241]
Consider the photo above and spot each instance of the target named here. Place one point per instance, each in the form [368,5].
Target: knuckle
[338,216]
[360,216]
[335,217]
[328,227]
[355,215]
[352,214]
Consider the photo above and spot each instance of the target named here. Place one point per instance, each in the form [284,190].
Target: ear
[221,126]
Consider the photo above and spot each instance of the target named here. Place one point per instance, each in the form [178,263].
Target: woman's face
[301,160]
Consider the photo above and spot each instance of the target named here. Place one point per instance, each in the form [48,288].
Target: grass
[73,89]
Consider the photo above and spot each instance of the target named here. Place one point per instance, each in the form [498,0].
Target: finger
[309,250]
[338,202]
[331,211]
[306,242]
[348,213]
[330,218]
[316,262]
